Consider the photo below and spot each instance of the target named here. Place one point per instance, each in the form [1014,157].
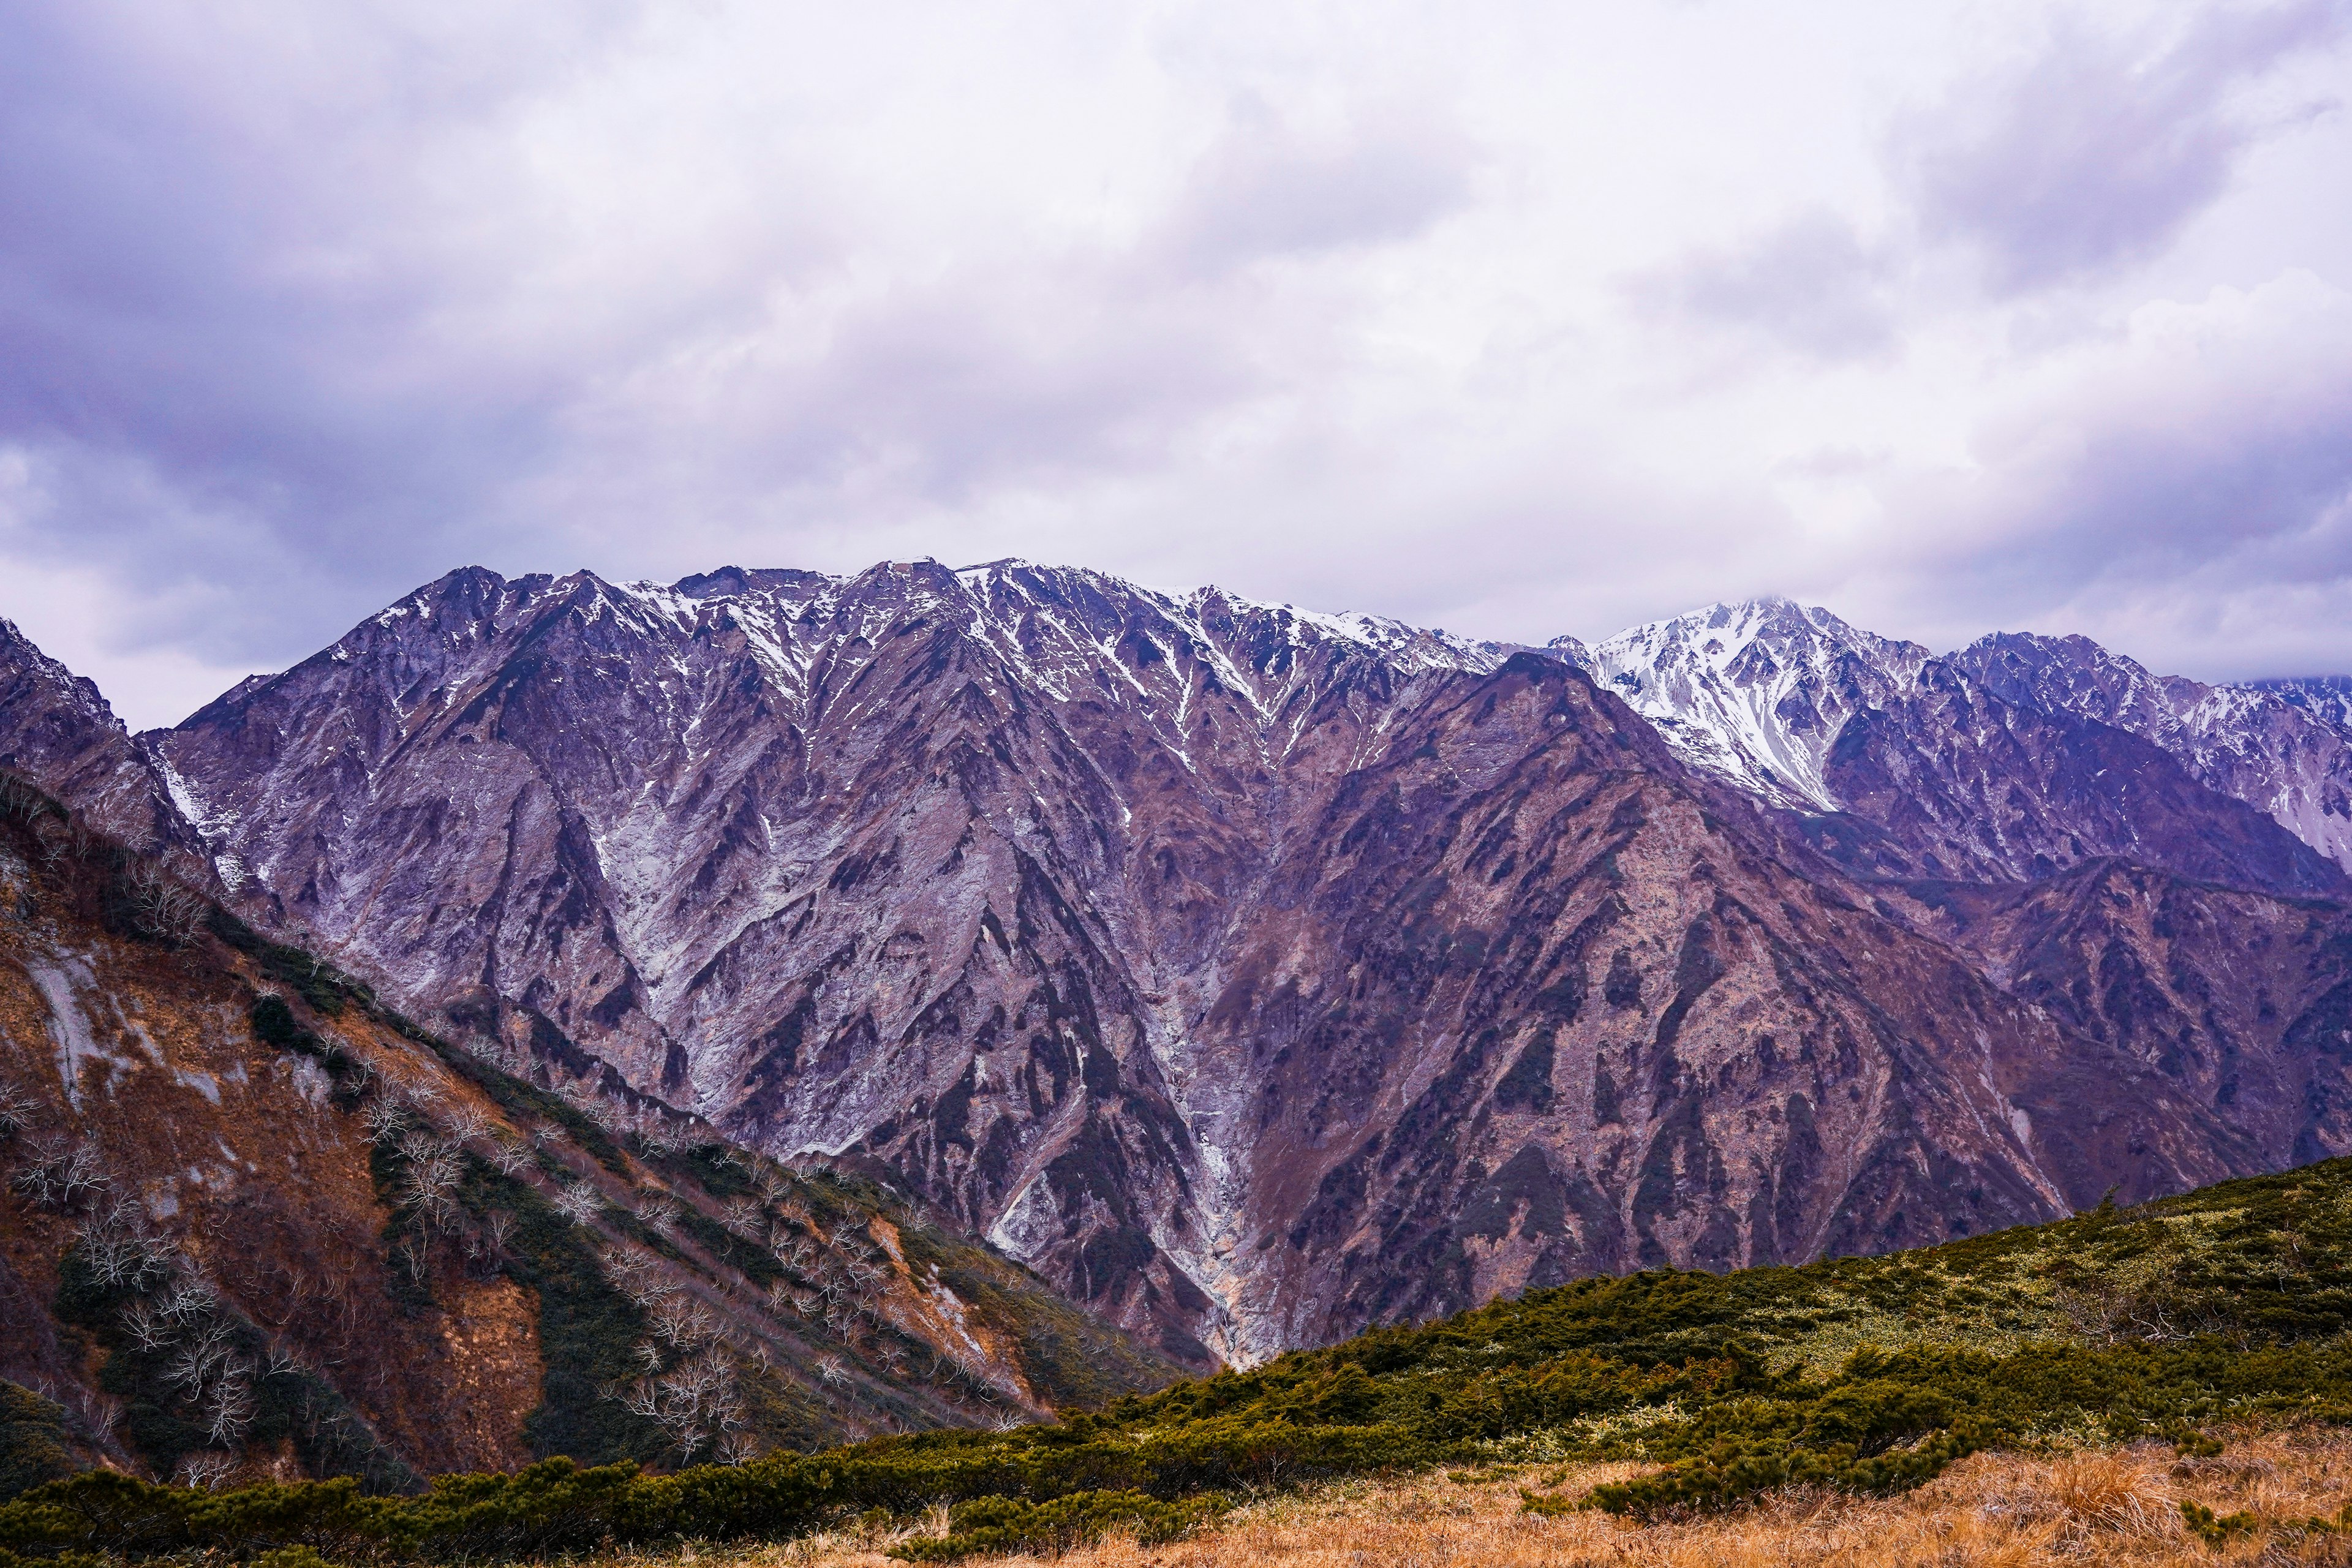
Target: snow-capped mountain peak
[1755,691]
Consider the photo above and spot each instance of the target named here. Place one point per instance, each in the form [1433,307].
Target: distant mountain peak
[1754,691]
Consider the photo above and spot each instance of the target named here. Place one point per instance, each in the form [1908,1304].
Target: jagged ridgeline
[255,1223]
[2181,1321]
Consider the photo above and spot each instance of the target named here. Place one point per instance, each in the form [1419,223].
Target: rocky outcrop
[58,732]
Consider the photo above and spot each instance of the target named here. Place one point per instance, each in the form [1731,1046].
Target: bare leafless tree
[681,1322]
[120,1248]
[205,1472]
[100,1413]
[624,1265]
[57,1171]
[464,1124]
[385,1117]
[18,1110]
[498,1235]
[21,800]
[162,906]
[191,1301]
[203,1358]
[699,1404]
[428,1183]
[149,1328]
[55,839]
[230,1410]
[86,1174]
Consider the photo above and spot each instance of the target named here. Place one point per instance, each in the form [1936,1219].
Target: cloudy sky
[1512,318]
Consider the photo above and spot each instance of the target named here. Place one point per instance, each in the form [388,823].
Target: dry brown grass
[1995,1510]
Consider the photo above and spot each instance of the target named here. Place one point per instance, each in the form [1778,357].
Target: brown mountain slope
[2232,1000]
[252,1218]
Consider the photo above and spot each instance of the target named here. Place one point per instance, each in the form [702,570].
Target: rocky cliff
[56,730]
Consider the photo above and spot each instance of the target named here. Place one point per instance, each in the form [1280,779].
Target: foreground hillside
[2194,1324]
[254,1223]
[2282,1493]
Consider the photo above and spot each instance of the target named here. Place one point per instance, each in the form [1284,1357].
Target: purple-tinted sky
[1514,318]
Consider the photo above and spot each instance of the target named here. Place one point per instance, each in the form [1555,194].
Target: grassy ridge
[2234,1302]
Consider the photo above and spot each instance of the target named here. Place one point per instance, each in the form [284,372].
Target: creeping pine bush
[32,1440]
[1001,1525]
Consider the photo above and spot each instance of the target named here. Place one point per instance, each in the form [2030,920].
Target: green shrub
[2214,1530]
[162,1422]
[32,1441]
[1000,1524]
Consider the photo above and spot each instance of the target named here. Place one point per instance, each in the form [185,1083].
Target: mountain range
[1256,975]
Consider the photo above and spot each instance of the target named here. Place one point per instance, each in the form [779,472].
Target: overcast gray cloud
[1519,319]
[2109,137]
[1810,284]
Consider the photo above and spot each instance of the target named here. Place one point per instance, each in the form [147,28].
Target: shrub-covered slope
[252,1222]
[2228,1305]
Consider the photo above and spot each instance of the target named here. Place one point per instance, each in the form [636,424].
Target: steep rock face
[1254,975]
[2284,750]
[2003,762]
[2326,698]
[2229,1000]
[1977,787]
[57,730]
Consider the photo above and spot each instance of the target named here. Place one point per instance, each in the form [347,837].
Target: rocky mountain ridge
[1815,715]
[1257,974]
[59,729]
